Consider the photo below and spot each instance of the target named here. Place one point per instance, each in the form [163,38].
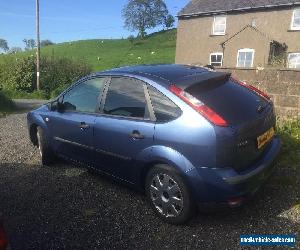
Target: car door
[124,129]
[72,126]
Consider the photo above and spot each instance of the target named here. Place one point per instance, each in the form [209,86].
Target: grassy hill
[103,54]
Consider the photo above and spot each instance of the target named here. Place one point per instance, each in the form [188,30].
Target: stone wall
[282,85]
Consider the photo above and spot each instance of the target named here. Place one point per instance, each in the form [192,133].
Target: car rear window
[235,103]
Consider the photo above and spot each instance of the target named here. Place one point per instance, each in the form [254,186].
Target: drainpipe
[223,47]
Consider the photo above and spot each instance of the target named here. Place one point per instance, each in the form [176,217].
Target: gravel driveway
[66,207]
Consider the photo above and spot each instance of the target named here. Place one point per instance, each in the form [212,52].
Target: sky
[67,20]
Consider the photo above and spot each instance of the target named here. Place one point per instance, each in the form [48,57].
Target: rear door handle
[136,135]
[83,126]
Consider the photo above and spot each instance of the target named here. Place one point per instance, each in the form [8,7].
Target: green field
[103,54]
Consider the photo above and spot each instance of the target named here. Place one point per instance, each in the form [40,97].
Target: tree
[169,21]
[29,44]
[4,45]
[14,50]
[131,39]
[144,14]
[46,43]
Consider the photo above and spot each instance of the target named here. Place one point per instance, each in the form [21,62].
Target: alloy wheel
[166,195]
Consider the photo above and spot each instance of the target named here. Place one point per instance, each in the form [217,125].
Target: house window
[245,58]
[219,26]
[296,20]
[294,60]
[216,59]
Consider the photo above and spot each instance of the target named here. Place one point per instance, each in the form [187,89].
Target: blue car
[4,245]
[188,136]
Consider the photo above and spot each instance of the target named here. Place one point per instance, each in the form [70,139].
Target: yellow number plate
[265,137]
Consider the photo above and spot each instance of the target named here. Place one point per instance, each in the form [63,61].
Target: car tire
[46,152]
[168,195]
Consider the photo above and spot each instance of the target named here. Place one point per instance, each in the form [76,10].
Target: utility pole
[38,45]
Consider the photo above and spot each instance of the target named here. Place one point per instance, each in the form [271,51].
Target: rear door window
[126,97]
[164,109]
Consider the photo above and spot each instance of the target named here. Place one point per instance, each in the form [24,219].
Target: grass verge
[289,132]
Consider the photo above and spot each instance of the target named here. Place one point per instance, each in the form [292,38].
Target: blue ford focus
[186,135]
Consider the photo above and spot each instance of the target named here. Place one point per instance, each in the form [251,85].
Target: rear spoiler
[202,79]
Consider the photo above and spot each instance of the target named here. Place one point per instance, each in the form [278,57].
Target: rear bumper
[259,171]
[223,185]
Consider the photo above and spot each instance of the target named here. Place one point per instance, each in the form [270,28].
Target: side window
[84,96]
[245,58]
[126,97]
[165,110]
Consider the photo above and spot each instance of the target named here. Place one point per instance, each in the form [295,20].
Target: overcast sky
[67,20]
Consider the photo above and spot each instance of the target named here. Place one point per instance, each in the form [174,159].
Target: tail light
[256,90]
[3,237]
[199,106]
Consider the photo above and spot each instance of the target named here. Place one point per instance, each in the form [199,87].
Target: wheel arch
[35,121]
[145,170]
[166,156]
[33,134]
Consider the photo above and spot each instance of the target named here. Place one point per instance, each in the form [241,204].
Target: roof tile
[199,7]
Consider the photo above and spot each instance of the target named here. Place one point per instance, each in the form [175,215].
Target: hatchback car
[185,135]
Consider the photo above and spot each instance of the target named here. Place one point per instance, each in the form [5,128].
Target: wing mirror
[57,105]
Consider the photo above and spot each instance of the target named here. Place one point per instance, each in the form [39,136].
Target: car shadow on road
[66,206]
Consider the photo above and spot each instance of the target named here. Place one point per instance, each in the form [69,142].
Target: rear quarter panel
[190,135]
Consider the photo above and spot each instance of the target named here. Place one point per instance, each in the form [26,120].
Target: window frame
[216,54]
[289,54]
[293,20]
[147,99]
[245,50]
[214,33]
[61,97]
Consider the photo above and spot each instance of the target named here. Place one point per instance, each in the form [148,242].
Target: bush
[6,68]
[61,72]
[19,76]
[14,94]
[56,92]
[22,75]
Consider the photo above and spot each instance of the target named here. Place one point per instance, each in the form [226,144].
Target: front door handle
[137,135]
[83,126]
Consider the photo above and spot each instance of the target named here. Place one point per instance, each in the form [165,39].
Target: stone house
[239,33]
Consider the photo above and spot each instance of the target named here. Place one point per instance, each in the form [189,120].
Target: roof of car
[166,72]
[209,7]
